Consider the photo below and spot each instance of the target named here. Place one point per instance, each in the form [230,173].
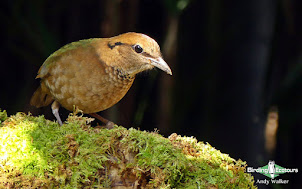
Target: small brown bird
[95,74]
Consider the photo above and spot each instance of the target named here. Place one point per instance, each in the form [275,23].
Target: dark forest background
[237,68]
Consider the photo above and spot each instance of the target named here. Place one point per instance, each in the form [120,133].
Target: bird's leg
[109,124]
[55,110]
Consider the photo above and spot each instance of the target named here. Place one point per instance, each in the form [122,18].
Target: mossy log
[38,153]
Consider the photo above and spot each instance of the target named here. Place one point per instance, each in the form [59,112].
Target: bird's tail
[40,98]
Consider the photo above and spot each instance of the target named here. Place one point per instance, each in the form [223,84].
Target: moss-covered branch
[38,153]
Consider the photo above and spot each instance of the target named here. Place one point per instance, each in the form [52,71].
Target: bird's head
[136,53]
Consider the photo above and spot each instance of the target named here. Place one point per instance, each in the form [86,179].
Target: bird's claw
[109,125]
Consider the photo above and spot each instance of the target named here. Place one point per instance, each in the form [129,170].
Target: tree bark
[239,105]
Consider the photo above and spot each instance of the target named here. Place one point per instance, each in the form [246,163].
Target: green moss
[37,153]
[3,116]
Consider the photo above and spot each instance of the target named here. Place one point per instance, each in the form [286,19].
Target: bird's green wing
[51,60]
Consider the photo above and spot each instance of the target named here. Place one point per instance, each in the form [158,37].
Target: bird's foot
[55,110]
[108,124]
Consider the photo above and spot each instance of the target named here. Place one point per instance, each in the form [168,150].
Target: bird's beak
[161,64]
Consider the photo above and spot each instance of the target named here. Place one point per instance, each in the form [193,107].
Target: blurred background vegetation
[237,68]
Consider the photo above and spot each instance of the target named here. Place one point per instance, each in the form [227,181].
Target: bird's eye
[138,48]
